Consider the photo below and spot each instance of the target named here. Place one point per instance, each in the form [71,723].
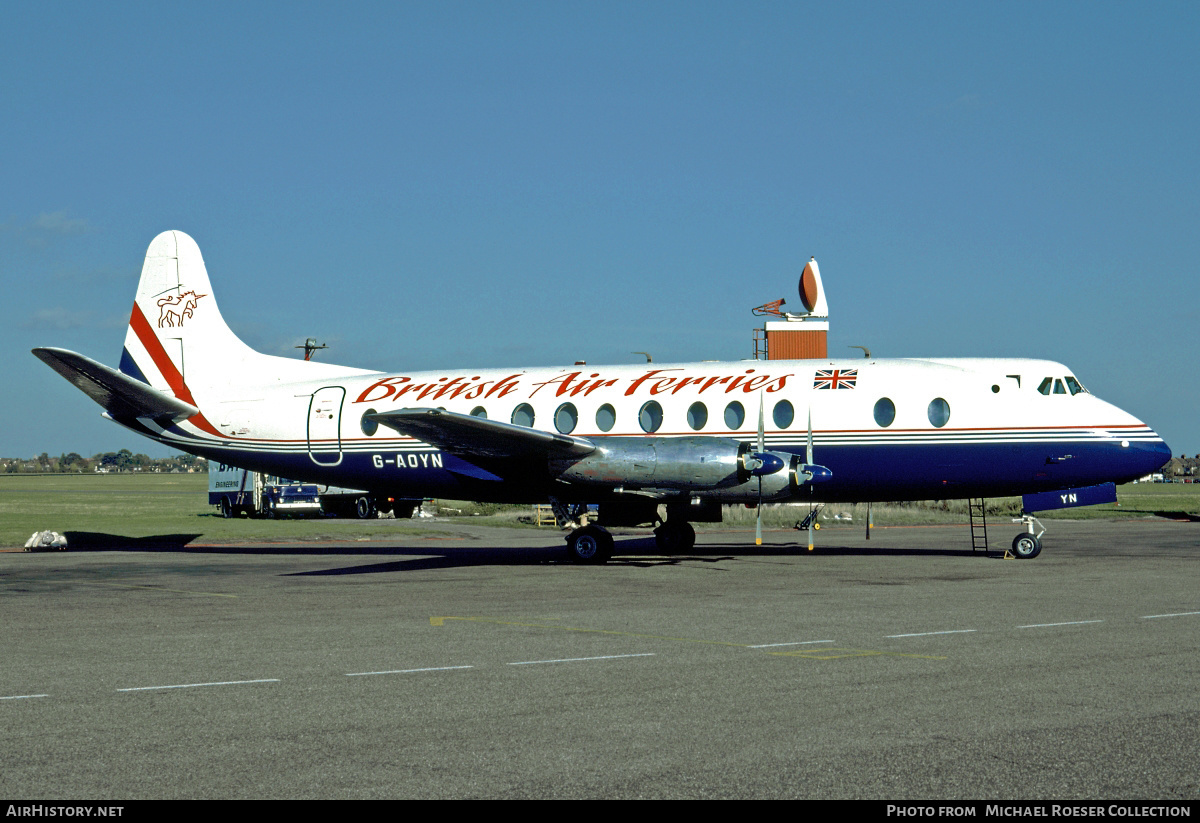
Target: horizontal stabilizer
[1066,498]
[122,396]
[465,435]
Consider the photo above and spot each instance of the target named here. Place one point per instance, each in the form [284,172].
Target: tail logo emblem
[174,308]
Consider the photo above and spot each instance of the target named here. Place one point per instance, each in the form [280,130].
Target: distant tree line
[108,462]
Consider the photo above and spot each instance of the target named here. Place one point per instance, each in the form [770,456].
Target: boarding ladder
[975,509]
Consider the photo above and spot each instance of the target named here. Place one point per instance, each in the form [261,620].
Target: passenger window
[783,414]
[650,418]
[735,415]
[885,412]
[369,427]
[1044,388]
[606,418]
[939,412]
[566,418]
[697,416]
[479,411]
[523,415]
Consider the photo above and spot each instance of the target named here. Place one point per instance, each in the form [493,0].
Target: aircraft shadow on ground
[1191,518]
[102,541]
[629,552]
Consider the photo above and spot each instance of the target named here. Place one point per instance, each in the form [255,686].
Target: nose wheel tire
[1026,546]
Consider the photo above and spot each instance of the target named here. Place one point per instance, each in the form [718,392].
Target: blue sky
[446,184]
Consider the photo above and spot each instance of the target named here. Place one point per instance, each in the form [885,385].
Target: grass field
[156,509]
[172,509]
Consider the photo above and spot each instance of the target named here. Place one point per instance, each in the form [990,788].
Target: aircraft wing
[122,396]
[469,436]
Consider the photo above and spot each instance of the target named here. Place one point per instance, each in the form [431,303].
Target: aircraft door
[324,425]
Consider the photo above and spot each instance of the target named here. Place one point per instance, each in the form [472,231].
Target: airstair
[978,516]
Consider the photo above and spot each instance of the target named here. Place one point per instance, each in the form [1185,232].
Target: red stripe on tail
[145,333]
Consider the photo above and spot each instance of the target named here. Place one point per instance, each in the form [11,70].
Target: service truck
[236,491]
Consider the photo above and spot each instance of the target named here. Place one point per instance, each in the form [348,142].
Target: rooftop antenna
[310,346]
[774,309]
[649,359]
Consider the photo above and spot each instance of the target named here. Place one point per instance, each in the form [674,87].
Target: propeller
[762,462]
[762,448]
[808,460]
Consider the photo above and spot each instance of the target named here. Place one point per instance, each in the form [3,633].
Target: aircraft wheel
[1026,546]
[674,538]
[363,508]
[590,545]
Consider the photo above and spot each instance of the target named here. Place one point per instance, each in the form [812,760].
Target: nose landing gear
[1028,545]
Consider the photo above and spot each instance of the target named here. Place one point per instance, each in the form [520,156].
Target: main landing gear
[675,537]
[590,544]
[593,544]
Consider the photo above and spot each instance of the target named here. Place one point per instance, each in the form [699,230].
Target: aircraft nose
[1146,457]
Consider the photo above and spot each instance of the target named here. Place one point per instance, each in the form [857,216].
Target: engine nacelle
[693,464]
[778,486]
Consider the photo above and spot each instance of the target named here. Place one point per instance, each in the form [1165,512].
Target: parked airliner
[687,436]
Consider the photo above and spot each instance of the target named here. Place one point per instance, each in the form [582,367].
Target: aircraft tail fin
[177,340]
[180,356]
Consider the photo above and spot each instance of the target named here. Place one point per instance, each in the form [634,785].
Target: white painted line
[927,634]
[580,659]
[410,671]
[797,643]
[23,696]
[1177,614]
[197,685]
[1068,623]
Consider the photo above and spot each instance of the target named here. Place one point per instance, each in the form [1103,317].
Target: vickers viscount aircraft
[686,436]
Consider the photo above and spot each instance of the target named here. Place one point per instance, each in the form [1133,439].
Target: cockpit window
[1061,385]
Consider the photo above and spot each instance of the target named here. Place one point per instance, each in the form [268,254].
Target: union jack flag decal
[835,378]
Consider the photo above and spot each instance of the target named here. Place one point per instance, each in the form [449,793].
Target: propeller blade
[808,452]
[762,433]
[808,458]
[762,447]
